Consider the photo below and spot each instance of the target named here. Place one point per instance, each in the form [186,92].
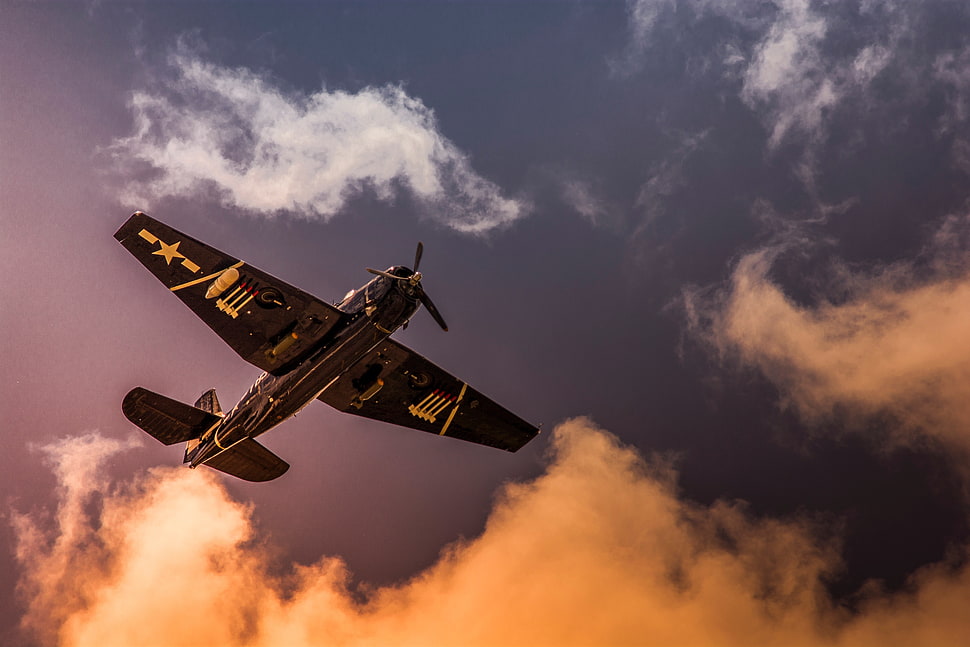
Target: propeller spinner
[415,280]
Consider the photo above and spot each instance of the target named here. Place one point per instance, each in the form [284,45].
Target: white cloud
[642,17]
[793,83]
[581,196]
[266,151]
[785,77]
[786,74]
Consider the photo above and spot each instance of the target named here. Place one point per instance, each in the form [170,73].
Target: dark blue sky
[732,234]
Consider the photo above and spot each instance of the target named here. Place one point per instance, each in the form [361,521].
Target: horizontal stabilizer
[168,420]
[249,461]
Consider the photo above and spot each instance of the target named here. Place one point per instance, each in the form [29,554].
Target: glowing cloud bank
[229,132]
[598,550]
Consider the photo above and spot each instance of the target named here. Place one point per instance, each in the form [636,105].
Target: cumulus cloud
[599,549]
[258,148]
[56,582]
[892,343]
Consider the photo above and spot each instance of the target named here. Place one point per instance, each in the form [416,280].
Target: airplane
[340,354]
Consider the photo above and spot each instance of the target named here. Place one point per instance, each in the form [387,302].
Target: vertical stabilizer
[209,402]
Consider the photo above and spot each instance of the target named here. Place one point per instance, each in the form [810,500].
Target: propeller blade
[415,281]
[432,310]
[417,256]
[384,274]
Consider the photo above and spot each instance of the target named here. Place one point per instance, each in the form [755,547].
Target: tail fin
[169,421]
[209,402]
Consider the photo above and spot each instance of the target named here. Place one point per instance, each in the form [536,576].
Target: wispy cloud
[232,133]
[667,177]
[597,550]
[796,77]
[895,341]
[786,76]
[952,69]
[642,18]
[581,196]
[783,55]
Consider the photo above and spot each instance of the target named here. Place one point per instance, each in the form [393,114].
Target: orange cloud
[598,550]
[895,346]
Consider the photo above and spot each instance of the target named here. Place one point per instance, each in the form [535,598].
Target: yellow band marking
[205,278]
[451,416]
[149,236]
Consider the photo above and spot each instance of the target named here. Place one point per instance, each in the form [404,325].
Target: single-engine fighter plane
[309,350]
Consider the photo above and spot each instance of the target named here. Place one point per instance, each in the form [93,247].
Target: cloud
[667,177]
[56,582]
[951,70]
[782,55]
[582,197]
[642,18]
[786,77]
[895,342]
[258,148]
[599,549]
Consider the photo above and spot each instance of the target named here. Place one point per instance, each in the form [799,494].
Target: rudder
[209,402]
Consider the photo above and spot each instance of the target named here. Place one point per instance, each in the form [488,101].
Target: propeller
[417,256]
[415,281]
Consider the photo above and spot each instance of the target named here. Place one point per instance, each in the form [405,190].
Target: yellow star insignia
[169,251]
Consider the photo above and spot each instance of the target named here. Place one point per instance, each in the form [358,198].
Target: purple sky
[734,238]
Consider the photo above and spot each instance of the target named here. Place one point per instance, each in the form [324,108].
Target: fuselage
[370,314]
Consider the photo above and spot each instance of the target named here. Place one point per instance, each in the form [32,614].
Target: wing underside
[396,385]
[269,323]
[249,461]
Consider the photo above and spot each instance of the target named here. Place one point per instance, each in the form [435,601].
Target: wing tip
[123,231]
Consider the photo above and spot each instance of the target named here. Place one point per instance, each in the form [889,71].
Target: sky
[719,250]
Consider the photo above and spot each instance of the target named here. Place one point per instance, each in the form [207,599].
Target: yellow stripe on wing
[205,278]
[451,416]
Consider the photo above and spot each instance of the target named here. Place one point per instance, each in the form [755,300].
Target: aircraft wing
[396,385]
[269,323]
